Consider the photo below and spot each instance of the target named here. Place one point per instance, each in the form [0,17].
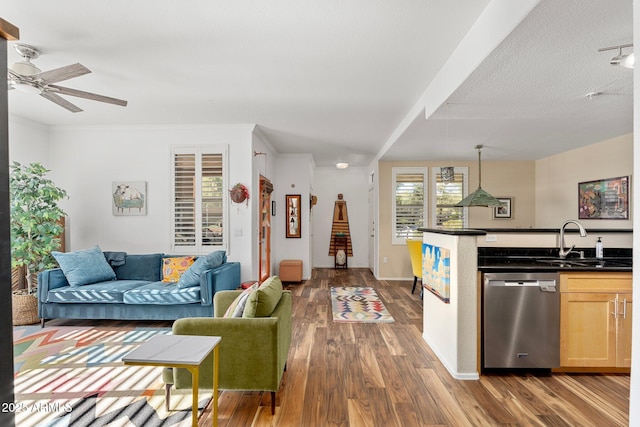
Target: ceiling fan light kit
[25,68]
[26,77]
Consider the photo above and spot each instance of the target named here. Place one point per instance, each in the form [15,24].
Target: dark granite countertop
[483,231]
[454,231]
[557,230]
[546,259]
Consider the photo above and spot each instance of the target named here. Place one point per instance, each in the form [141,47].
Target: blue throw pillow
[84,267]
[191,277]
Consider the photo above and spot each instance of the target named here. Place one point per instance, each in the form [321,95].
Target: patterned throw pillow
[172,268]
[237,306]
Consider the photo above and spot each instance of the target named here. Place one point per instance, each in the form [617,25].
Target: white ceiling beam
[494,24]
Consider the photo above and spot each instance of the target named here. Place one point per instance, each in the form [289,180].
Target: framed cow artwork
[129,198]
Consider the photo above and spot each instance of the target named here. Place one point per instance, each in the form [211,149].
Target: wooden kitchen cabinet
[623,358]
[595,319]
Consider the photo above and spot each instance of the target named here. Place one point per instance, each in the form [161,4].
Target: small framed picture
[293,215]
[129,198]
[504,211]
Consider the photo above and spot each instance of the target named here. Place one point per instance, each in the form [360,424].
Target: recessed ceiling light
[342,165]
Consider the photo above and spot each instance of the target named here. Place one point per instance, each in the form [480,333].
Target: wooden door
[266,188]
[587,329]
[623,355]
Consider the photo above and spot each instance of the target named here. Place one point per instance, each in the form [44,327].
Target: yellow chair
[415,252]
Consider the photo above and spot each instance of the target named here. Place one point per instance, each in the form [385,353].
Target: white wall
[293,177]
[86,160]
[451,328]
[353,184]
[28,141]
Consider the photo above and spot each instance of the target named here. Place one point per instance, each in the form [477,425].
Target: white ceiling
[527,100]
[337,78]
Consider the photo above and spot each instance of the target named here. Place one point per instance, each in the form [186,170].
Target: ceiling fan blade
[15,76]
[87,95]
[61,101]
[62,73]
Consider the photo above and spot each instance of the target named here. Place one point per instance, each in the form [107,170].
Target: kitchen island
[452,313]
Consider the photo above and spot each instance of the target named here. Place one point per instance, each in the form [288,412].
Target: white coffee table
[181,351]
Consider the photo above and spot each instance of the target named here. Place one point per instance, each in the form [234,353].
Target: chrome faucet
[583,233]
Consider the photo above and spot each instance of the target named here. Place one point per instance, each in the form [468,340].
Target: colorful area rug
[74,376]
[358,304]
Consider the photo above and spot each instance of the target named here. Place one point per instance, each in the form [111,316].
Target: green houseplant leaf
[35,218]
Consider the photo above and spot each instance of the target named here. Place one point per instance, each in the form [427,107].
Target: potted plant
[35,231]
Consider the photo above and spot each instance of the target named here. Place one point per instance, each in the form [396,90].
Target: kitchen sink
[564,263]
[585,262]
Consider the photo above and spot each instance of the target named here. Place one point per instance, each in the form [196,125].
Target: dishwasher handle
[544,285]
[521,283]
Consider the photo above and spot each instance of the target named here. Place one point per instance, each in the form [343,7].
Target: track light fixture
[626,60]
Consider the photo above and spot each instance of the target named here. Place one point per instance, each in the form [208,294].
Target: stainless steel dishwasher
[521,320]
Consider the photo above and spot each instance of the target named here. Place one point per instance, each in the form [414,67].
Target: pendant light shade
[479,197]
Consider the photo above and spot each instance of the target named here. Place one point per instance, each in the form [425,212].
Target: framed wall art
[436,271]
[604,199]
[293,215]
[129,198]
[504,211]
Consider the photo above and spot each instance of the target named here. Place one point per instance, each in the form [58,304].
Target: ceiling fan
[26,77]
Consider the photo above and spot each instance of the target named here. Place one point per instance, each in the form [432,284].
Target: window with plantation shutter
[409,203]
[447,194]
[198,202]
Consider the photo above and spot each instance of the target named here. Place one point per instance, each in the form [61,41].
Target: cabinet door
[587,330]
[624,331]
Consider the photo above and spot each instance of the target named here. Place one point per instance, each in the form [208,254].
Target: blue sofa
[137,292]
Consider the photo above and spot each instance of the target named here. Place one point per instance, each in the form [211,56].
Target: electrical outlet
[491,238]
[384,260]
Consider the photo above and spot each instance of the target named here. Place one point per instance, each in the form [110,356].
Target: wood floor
[358,374]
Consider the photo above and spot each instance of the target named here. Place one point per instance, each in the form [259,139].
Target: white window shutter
[198,199]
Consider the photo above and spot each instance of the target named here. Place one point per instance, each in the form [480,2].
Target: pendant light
[479,197]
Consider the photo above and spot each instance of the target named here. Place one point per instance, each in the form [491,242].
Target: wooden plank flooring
[358,374]
[384,374]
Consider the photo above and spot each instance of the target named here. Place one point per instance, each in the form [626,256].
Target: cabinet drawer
[596,282]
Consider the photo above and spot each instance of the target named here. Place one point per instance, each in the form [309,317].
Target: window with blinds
[409,203]
[447,194]
[198,199]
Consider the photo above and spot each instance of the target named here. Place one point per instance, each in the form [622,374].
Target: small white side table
[181,351]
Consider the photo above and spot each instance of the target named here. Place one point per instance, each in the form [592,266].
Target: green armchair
[253,351]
